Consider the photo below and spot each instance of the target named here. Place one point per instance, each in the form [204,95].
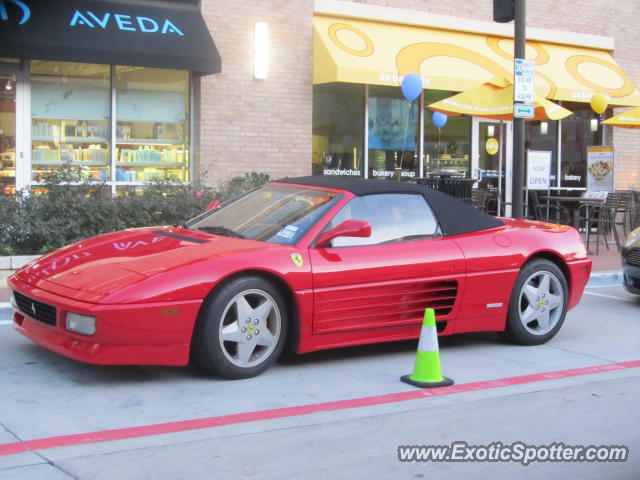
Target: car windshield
[271,213]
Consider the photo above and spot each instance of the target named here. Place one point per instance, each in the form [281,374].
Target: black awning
[160,33]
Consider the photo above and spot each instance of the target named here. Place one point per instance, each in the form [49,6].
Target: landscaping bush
[64,212]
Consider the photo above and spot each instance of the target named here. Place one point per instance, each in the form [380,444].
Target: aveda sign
[124,23]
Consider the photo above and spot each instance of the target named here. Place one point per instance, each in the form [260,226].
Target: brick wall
[265,125]
[257,125]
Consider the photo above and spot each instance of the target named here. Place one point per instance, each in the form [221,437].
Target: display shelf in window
[69,153]
[147,151]
[80,143]
[69,129]
[148,174]
[72,164]
[70,139]
[158,165]
[148,142]
[148,155]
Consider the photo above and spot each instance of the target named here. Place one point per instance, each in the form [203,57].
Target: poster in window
[392,124]
[600,168]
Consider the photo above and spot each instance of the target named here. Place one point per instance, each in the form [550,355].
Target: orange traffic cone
[427,372]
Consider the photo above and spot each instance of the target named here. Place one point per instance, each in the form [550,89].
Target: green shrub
[65,212]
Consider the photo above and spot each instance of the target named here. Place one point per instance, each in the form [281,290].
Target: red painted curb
[211,422]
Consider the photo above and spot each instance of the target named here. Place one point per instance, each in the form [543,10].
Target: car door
[389,278]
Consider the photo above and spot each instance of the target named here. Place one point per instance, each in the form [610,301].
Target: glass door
[7,134]
[491,161]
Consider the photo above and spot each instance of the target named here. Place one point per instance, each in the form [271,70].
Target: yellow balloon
[599,103]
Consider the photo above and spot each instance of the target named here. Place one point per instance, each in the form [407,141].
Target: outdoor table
[573,204]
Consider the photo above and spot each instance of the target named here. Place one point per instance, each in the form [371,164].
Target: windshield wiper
[218,230]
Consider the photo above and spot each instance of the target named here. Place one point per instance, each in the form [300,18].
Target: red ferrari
[310,263]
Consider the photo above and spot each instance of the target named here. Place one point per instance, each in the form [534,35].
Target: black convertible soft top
[455,216]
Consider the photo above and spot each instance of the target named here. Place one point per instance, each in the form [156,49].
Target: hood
[101,265]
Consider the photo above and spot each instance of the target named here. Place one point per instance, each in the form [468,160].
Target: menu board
[600,168]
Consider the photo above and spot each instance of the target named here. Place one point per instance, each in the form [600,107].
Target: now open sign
[538,170]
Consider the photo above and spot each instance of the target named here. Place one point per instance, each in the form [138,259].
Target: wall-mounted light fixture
[544,128]
[260,50]
[593,126]
[8,85]
[491,130]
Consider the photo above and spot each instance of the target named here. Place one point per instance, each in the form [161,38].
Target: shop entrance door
[491,154]
[14,127]
[7,133]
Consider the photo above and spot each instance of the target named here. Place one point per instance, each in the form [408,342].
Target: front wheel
[241,331]
[538,303]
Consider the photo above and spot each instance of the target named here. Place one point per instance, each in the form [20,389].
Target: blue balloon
[411,86]
[439,119]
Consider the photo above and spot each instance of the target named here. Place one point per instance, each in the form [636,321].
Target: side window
[394,217]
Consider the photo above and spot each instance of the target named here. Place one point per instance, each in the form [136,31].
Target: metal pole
[519,38]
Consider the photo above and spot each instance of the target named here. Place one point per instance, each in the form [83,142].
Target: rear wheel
[242,330]
[538,303]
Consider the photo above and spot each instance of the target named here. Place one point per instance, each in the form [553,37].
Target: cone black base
[445,382]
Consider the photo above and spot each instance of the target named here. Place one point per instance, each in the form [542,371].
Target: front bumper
[631,279]
[132,334]
[631,269]
[579,272]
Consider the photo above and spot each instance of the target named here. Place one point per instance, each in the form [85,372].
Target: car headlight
[83,324]
[633,237]
[13,302]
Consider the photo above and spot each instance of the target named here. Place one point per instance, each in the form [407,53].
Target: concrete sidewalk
[47,397]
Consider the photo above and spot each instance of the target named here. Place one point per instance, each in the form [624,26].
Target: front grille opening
[35,309]
[633,257]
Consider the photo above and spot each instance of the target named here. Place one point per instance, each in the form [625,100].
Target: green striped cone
[427,372]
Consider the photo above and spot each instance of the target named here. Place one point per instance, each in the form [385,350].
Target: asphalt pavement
[339,414]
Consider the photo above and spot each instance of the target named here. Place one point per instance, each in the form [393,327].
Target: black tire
[538,303]
[253,314]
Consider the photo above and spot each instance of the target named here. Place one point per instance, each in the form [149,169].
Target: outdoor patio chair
[624,210]
[603,219]
[552,212]
[480,198]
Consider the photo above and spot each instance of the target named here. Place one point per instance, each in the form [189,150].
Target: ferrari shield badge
[297,259]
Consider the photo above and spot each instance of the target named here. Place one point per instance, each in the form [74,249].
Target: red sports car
[310,263]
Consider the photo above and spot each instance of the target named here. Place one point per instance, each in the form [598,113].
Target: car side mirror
[213,205]
[348,228]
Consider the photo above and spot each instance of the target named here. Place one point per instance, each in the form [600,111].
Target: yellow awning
[494,99]
[628,119]
[378,53]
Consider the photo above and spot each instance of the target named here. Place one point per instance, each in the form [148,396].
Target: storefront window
[152,129]
[578,132]
[543,135]
[447,150]
[70,111]
[393,134]
[338,129]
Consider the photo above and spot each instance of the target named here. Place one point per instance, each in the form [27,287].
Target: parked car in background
[631,262]
[310,263]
